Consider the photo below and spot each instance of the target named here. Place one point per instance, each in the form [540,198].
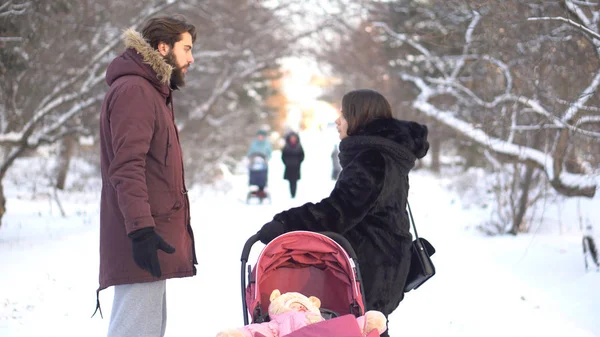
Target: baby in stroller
[258,172]
[291,312]
[322,265]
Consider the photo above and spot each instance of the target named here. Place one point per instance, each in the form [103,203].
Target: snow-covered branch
[586,30]
[579,12]
[72,94]
[582,107]
[11,138]
[566,183]
[224,83]
[534,105]
[589,26]
[10,39]
[244,62]
[9,8]
[77,74]
[588,120]
[211,53]
[468,41]
[45,133]
[569,117]
[414,43]
[585,96]
[503,67]
[535,127]
[32,139]
[585,3]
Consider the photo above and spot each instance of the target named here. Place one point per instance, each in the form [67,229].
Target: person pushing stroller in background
[260,145]
[258,155]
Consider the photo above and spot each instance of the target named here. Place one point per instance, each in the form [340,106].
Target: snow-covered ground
[529,285]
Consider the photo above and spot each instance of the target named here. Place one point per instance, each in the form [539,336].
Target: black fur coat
[368,205]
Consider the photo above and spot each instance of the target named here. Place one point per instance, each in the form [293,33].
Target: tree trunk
[523,202]
[6,162]
[2,202]
[471,157]
[435,154]
[525,187]
[67,147]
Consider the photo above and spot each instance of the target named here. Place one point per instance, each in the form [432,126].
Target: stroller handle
[248,246]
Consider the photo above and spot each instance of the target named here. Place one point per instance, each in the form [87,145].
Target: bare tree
[490,107]
[507,85]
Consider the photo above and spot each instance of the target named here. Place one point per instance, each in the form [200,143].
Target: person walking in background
[145,232]
[335,162]
[260,145]
[292,156]
[368,203]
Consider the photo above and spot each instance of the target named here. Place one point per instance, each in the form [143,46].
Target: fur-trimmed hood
[404,141]
[411,135]
[140,59]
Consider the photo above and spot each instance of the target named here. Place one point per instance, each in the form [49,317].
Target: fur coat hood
[403,140]
[140,59]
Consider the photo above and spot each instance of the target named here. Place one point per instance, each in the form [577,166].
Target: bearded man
[145,232]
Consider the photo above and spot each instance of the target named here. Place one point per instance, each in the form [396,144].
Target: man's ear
[163,48]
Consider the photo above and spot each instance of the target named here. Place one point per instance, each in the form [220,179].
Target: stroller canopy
[309,263]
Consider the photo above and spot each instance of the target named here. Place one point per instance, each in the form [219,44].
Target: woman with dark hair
[368,203]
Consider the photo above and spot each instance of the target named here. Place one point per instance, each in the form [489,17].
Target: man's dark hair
[167,29]
[362,106]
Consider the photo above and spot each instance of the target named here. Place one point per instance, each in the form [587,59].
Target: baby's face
[297,306]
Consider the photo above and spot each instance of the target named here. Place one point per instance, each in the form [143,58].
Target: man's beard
[177,76]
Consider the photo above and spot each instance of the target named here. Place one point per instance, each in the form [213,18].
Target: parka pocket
[164,204]
[160,147]
[167,150]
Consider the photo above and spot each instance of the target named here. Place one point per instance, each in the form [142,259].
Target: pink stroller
[314,264]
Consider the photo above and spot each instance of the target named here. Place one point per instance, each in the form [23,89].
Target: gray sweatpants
[139,310]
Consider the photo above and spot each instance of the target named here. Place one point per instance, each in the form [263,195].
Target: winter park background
[507,88]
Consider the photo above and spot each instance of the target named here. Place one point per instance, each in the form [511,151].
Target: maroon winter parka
[142,168]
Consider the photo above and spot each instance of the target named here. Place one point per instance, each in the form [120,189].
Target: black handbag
[421,266]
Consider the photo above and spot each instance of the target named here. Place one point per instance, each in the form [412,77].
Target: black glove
[270,231]
[145,243]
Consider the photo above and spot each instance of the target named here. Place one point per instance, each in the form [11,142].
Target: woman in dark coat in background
[368,203]
[292,156]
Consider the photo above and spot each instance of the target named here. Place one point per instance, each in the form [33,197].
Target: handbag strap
[412,220]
